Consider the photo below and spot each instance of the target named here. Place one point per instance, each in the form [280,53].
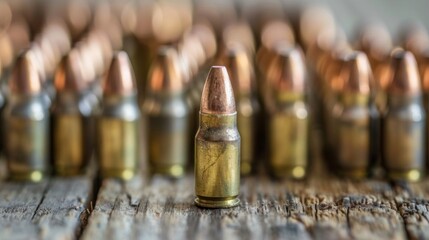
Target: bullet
[118,128]
[288,116]
[26,123]
[403,133]
[374,39]
[273,34]
[167,115]
[243,83]
[353,118]
[217,144]
[72,118]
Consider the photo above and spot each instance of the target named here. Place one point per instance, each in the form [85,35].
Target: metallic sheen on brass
[240,68]
[353,118]
[217,144]
[26,123]
[119,124]
[72,118]
[404,121]
[167,114]
[288,116]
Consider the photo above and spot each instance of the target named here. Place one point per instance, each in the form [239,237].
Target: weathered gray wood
[413,204]
[53,209]
[321,209]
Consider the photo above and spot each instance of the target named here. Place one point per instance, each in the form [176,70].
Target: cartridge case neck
[289,97]
[397,101]
[68,97]
[112,100]
[353,99]
[208,120]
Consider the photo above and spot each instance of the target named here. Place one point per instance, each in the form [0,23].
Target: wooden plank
[52,209]
[165,209]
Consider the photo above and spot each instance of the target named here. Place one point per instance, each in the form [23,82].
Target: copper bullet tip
[217,96]
[69,75]
[239,66]
[356,73]
[289,72]
[405,76]
[25,77]
[165,74]
[120,78]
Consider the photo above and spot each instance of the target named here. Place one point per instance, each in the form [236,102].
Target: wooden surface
[56,208]
[321,207]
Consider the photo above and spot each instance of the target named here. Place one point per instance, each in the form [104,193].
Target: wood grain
[53,209]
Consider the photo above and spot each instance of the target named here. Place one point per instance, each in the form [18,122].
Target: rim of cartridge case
[214,202]
[32,176]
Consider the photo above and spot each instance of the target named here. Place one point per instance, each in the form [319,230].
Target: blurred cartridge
[374,39]
[119,124]
[288,115]
[167,115]
[26,123]
[217,144]
[353,118]
[72,120]
[404,121]
[243,83]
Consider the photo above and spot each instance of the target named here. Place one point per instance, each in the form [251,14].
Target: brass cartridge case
[352,120]
[217,161]
[118,128]
[239,65]
[168,125]
[26,123]
[288,115]
[288,139]
[404,138]
[404,121]
[118,133]
[167,113]
[72,118]
[355,118]
[217,144]
[27,138]
[72,129]
[248,114]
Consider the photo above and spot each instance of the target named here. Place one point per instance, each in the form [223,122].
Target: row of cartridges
[178,85]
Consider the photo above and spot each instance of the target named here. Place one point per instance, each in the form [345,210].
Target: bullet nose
[356,73]
[120,78]
[288,73]
[25,78]
[217,96]
[165,74]
[405,77]
[69,76]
